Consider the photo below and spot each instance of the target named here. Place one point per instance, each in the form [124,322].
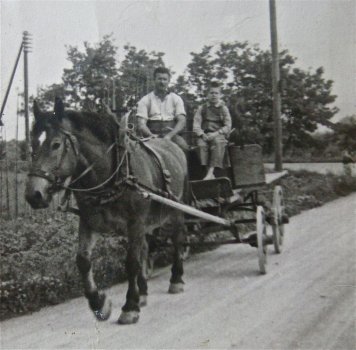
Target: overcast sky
[318,33]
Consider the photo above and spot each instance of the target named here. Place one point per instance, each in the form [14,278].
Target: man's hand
[204,137]
[212,135]
[168,137]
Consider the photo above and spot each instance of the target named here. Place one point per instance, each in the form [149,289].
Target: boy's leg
[210,174]
[203,151]
[217,151]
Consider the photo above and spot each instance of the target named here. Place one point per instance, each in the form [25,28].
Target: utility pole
[26,42]
[10,83]
[276,88]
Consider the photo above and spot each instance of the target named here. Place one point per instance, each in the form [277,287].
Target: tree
[345,134]
[246,75]
[89,79]
[93,72]
[136,73]
[46,95]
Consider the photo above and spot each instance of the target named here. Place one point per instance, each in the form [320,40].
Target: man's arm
[178,127]
[142,117]
[180,117]
[142,127]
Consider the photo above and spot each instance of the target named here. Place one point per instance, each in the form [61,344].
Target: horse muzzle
[37,192]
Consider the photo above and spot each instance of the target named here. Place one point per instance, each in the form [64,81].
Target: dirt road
[306,301]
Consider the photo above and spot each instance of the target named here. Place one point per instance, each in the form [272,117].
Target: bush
[38,254]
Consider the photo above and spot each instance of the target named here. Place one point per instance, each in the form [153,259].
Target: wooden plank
[214,188]
[272,177]
[247,166]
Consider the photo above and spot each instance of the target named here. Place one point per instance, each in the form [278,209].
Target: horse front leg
[143,275]
[176,281]
[98,302]
[136,236]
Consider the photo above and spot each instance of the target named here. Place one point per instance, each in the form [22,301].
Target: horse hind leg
[176,282]
[98,302]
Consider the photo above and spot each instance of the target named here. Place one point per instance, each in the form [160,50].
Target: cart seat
[213,188]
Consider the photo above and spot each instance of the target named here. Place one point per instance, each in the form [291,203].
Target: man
[161,113]
[212,124]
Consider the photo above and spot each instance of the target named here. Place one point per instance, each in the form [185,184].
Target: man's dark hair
[214,84]
[161,70]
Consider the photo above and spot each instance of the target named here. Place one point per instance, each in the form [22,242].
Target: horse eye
[55,146]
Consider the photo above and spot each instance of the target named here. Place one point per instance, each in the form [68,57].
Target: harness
[111,188]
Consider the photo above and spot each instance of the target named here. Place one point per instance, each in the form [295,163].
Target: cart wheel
[278,212]
[261,229]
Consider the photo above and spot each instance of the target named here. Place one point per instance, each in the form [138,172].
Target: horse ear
[58,108]
[37,111]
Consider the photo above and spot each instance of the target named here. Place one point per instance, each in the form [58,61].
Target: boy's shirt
[210,118]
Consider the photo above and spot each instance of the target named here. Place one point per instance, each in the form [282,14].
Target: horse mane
[102,126]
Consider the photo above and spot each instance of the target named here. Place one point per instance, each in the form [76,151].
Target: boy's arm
[225,130]
[197,122]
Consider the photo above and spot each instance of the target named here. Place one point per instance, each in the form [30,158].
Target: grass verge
[38,253]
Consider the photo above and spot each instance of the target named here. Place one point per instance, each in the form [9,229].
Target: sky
[317,32]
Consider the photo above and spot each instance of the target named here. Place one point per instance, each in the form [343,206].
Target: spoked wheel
[278,214]
[261,229]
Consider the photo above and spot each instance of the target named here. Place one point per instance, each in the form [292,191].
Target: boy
[212,124]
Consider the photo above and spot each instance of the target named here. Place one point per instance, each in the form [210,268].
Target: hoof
[129,317]
[104,313]
[143,300]
[175,288]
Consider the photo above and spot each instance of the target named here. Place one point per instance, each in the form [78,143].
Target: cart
[231,201]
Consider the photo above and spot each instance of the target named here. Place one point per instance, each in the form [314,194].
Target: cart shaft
[187,209]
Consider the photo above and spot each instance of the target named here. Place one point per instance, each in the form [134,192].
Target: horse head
[54,160]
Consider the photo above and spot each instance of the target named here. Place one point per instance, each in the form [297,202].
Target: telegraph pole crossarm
[26,40]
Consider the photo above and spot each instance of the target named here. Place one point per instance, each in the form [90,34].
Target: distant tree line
[244,70]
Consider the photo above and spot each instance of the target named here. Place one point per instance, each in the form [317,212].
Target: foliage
[246,75]
[38,262]
[94,73]
[245,71]
[136,73]
[345,134]
[38,252]
[89,79]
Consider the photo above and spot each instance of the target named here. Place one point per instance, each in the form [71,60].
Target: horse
[87,153]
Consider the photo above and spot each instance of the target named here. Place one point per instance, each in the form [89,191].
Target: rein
[125,156]
[98,194]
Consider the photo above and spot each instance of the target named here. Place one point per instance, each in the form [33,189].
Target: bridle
[65,183]
[52,176]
